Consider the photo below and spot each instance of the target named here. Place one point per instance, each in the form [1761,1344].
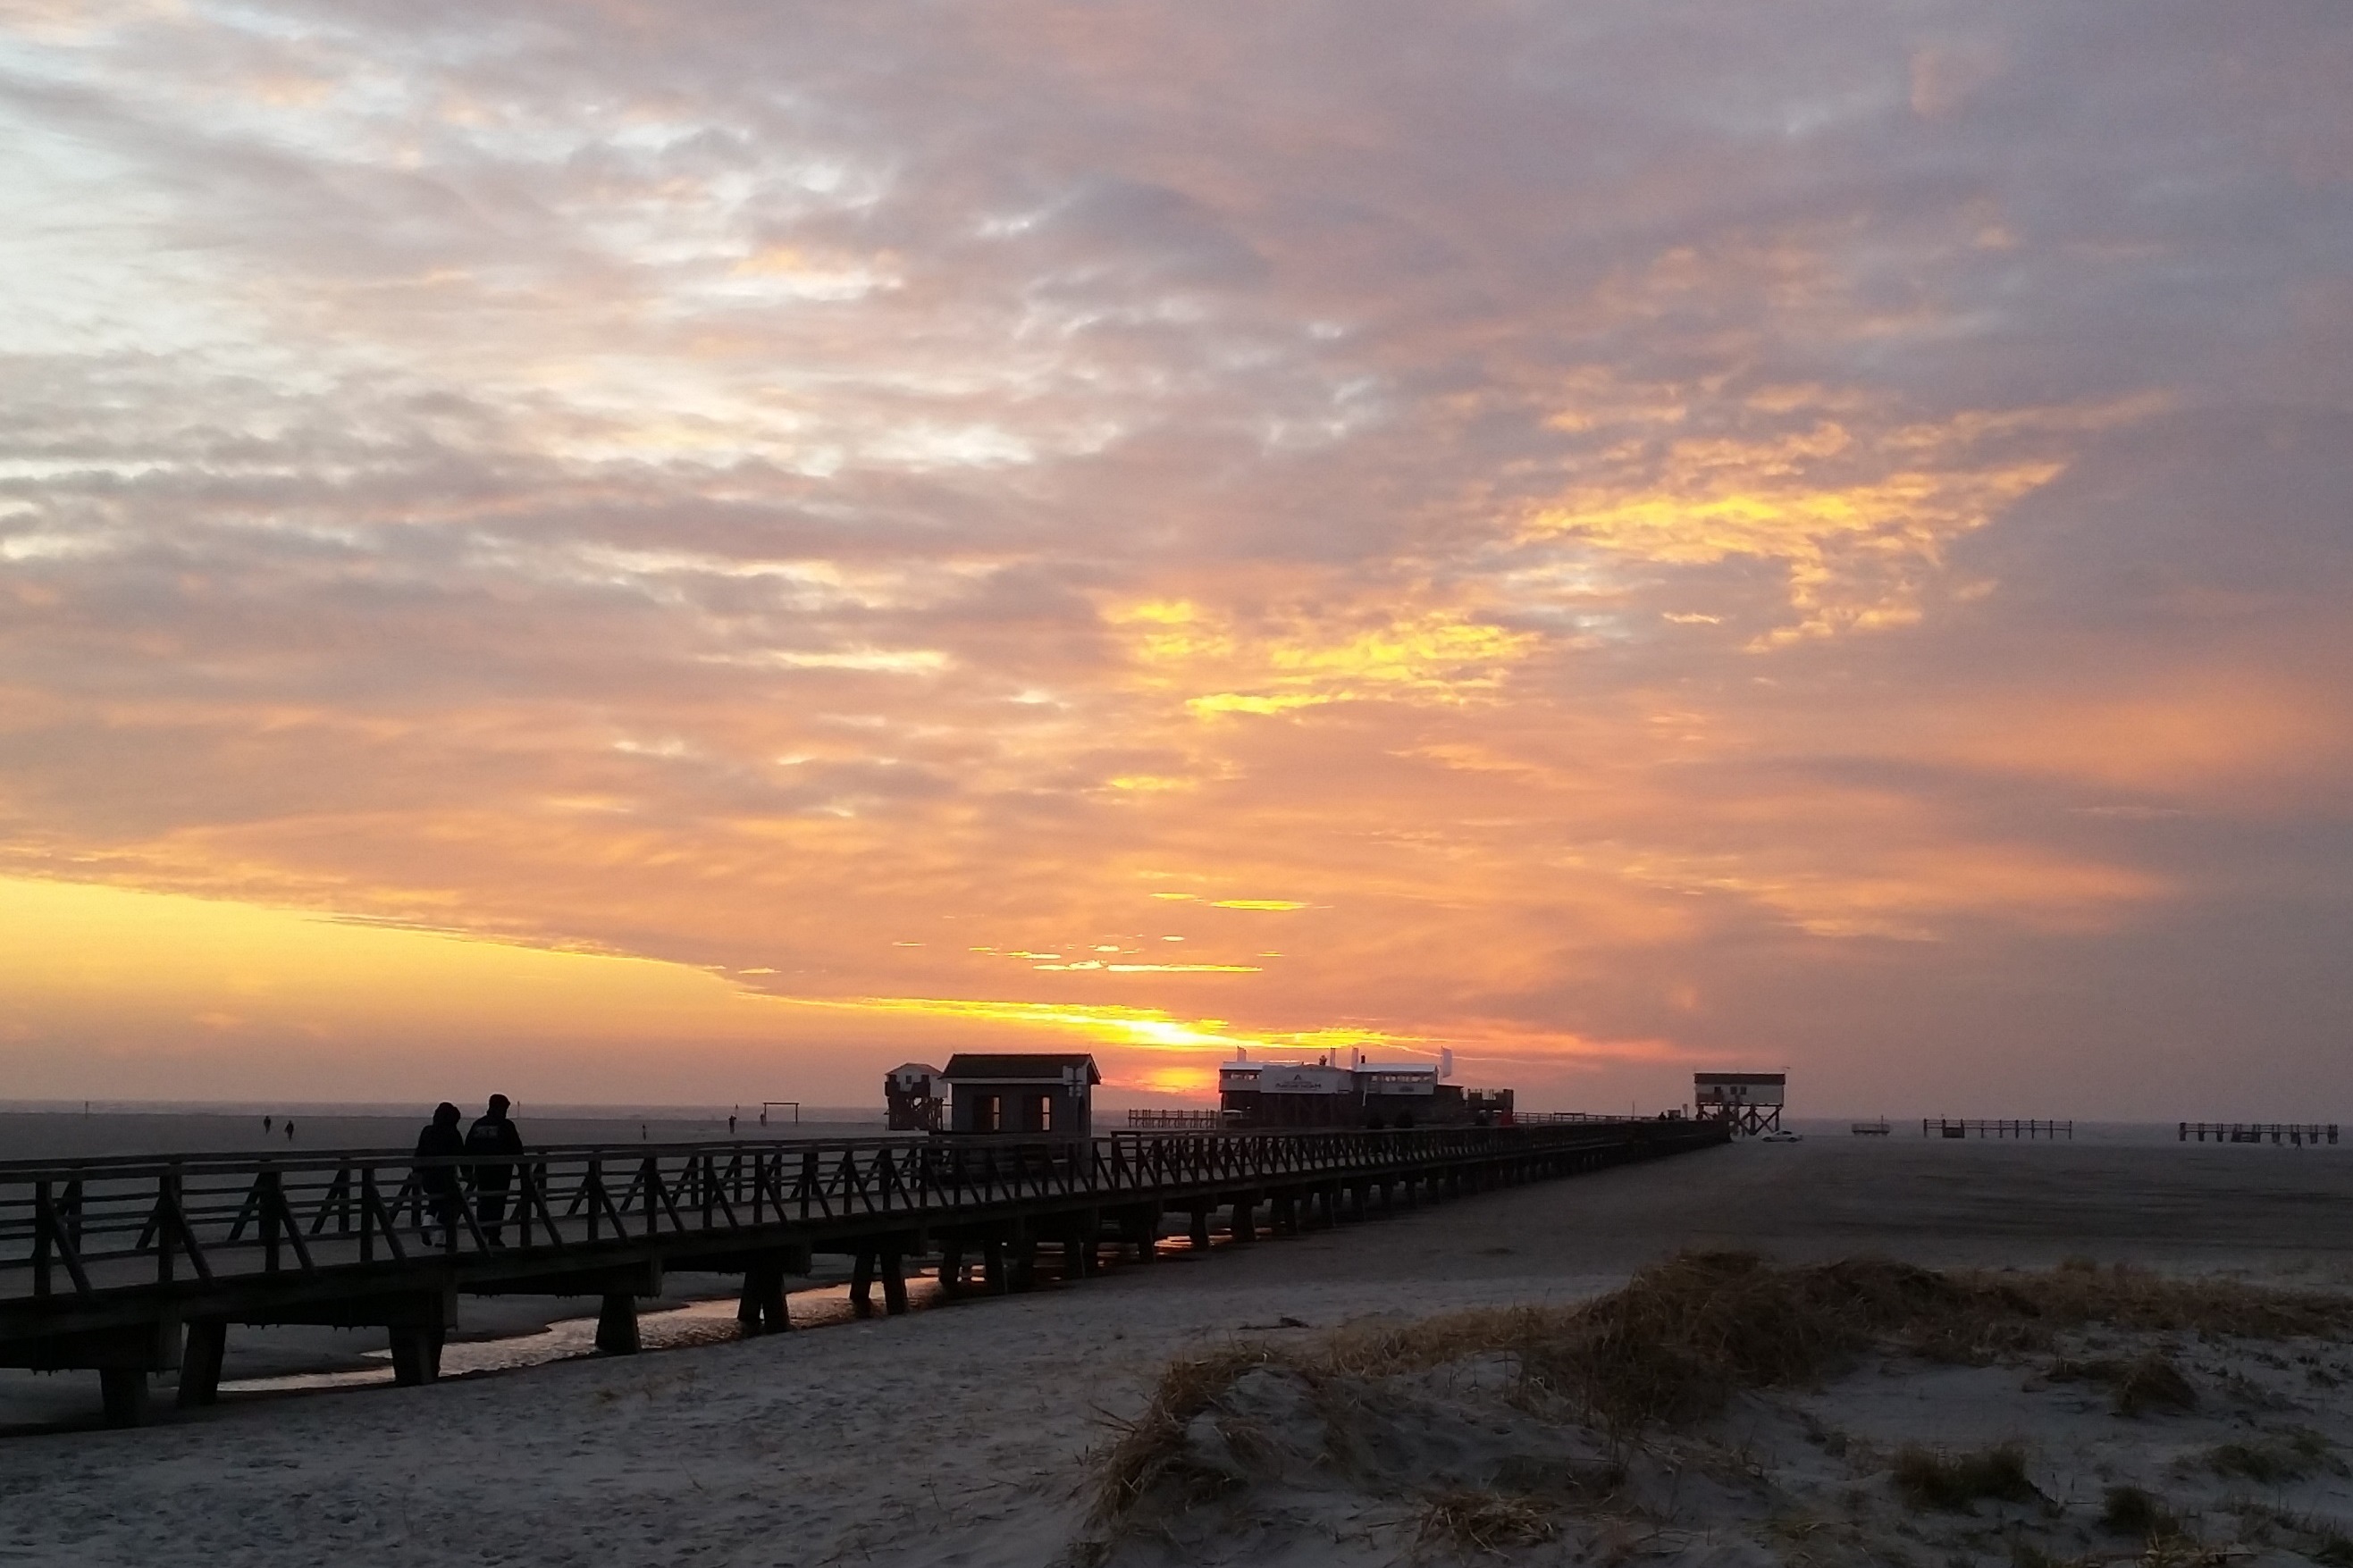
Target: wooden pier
[1974,1127]
[131,1266]
[2291,1133]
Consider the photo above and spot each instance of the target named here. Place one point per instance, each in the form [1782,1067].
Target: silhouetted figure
[440,1183]
[290,1129]
[731,1127]
[265,1124]
[493,1135]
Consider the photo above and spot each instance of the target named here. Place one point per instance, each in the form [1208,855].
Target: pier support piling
[894,1282]
[761,1310]
[123,1390]
[200,1363]
[616,1327]
[416,1352]
[862,1281]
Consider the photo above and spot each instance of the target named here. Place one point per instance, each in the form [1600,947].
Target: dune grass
[1684,1335]
[1955,1482]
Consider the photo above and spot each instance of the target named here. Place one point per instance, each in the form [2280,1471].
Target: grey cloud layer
[547,471]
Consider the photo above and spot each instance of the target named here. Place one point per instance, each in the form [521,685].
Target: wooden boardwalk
[131,1266]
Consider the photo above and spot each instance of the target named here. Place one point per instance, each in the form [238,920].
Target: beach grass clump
[1474,1520]
[2153,1382]
[1953,1483]
[2141,1301]
[2129,1510]
[1151,1446]
[2274,1460]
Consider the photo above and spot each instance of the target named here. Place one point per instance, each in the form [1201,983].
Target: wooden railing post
[44,1221]
[266,1185]
[167,1204]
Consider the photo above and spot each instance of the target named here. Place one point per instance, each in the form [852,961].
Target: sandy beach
[973,1433]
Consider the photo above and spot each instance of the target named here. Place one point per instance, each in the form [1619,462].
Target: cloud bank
[1606,540]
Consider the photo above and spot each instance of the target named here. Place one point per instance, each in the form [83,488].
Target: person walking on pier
[494,1134]
[438,1183]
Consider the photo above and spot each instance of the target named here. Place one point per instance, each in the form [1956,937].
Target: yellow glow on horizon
[84,954]
[1145,1028]
[1193,1083]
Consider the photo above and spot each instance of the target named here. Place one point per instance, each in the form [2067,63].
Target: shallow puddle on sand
[569,1338]
[666,1328]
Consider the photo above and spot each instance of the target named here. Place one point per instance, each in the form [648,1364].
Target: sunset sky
[696,551]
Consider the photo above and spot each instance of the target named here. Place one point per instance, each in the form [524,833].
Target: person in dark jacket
[493,1135]
[438,1183]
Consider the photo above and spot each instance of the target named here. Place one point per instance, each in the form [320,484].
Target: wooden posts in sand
[200,1362]
[416,1352]
[890,1262]
[762,1309]
[617,1324]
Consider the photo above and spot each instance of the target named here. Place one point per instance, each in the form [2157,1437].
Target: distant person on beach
[265,1124]
[494,1134]
[290,1129]
[731,1127]
[440,1183]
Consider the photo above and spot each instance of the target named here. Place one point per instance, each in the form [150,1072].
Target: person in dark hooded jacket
[438,1183]
[493,1135]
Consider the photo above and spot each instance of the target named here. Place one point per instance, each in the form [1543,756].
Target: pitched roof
[1023,1068]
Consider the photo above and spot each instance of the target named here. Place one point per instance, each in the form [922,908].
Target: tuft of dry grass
[1954,1482]
[2153,1382]
[2272,1461]
[1475,1520]
[1149,1447]
[2149,1383]
[2131,1512]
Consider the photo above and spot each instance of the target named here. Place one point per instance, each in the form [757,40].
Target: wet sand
[962,1434]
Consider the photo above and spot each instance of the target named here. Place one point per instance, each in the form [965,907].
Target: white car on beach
[1782,1135]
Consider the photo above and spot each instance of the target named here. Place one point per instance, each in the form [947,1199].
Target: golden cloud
[1441,656]
[1859,517]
